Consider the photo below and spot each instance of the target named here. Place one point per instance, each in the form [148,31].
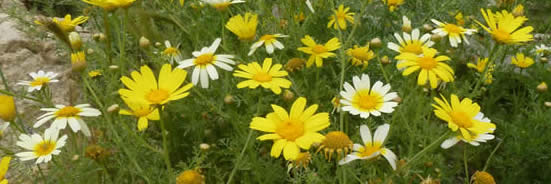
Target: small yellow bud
[518,10]
[75,40]
[228,99]
[376,42]
[144,42]
[99,37]
[190,177]
[385,60]
[78,61]
[482,177]
[288,95]
[542,87]
[7,108]
[294,64]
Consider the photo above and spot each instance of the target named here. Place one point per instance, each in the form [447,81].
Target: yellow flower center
[204,59]
[290,129]
[303,159]
[267,37]
[44,148]
[142,112]
[68,111]
[361,54]
[501,35]
[336,140]
[414,47]
[171,51]
[340,15]
[157,96]
[221,6]
[452,28]
[368,101]
[39,81]
[461,119]
[369,149]
[262,77]
[427,63]
[318,49]
[190,177]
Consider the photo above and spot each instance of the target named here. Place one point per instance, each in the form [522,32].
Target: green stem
[164,133]
[491,61]
[107,36]
[385,75]
[466,166]
[491,155]
[238,161]
[140,139]
[422,152]
[123,42]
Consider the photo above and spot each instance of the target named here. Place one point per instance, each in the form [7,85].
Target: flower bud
[376,42]
[157,44]
[542,87]
[406,26]
[228,99]
[548,104]
[288,95]
[114,67]
[518,10]
[543,60]
[144,42]
[75,40]
[90,51]
[385,60]
[113,108]
[99,37]
[483,177]
[7,108]
[427,27]
[204,146]
[190,177]
[78,61]
[435,37]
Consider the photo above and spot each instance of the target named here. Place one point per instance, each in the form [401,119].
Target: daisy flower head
[7,108]
[393,4]
[143,87]
[363,99]
[454,32]
[4,164]
[71,115]
[292,131]
[204,62]
[475,140]
[40,79]
[360,55]
[522,61]
[318,52]
[268,76]
[542,50]
[411,43]
[243,26]
[463,115]
[480,65]
[433,69]
[68,24]
[372,146]
[40,147]
[335,142]
[172,52]
[221,4]
[505,27]
[339,19]
[94,73]
[142,111]
[269,41]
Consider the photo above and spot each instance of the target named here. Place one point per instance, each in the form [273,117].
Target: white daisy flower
[373,146]
[172,52]
[222,4]
[41,148]
[454,32]
[204,62]
[413,43]
[475,140]
[269,41]
[68,115]
[40,79]
[542,49]
[363,99]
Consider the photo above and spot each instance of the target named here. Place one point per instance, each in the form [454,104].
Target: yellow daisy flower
[94,73]
[340,18]
[142,111]
[522,61]
[360,55]
[454,32]
[480,65]
[393,4]
[318,52]
[413,43]
[504,27]
[459,19]
[68,24]
[335,142]
[463,115]
[243,26]
[432,68]
[7,108]
[190,177]
[4,164]
[267,76]
[143,87]
[269,41]
[292,131]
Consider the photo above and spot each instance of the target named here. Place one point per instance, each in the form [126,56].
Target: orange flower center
[461,119]
[39,81]
[157,96]
[427,63]
[262,77]
[68,111]
[44,148]
[290,129]
[318,49]
[501,35]
[204,59]
[452,28]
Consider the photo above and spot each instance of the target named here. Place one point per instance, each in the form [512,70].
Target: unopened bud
[90,51]
[75,40]
[548,104]
[113,108]
[204,146]
[144,42]
[385,60]
[542,87]
[543,60]
[157,44]
[229,99]
[435,37]
[99,37]
[288,95]
[376,42]
[78,61]
[114,67]
[427,27]
[518,10]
